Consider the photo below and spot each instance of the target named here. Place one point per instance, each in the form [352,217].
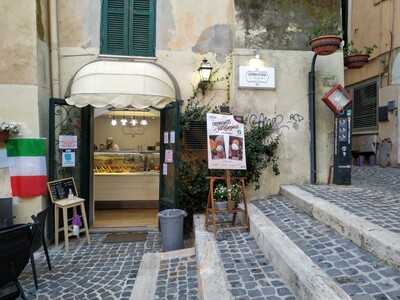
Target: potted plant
[235,194]
[326,38]
[354,58]
[221,196]
[8,129]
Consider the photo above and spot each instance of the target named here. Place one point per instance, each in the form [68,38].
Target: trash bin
[171,223]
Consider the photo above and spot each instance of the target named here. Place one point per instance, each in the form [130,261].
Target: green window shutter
[115,27]
[142,28]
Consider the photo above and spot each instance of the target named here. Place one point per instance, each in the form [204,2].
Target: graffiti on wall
[278,123]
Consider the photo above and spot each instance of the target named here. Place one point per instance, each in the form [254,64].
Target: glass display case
[124,162]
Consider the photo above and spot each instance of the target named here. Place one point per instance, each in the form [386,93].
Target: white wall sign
[226,146]
[67,142]
[257,78]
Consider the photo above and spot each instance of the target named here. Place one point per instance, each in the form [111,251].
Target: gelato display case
[122,176]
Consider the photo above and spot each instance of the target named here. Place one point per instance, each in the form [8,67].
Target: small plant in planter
[326,37]
[235,194]
[221,196]
[354,58]
[8,129]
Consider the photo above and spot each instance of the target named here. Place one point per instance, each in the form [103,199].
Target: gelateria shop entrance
[124,117]
[126,167]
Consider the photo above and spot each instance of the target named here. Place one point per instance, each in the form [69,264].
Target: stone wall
[282,24]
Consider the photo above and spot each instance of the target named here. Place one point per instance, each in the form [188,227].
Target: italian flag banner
[27,163]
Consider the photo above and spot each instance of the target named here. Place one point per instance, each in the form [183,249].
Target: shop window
[365,108]
[128,27]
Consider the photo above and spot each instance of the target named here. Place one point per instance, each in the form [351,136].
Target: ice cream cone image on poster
[235,148]
[217,146]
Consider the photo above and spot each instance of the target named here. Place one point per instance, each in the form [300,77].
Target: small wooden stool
[64,204]
[58,190]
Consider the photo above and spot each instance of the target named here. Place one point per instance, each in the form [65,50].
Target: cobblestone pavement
[177,279]
[385,179]
[96,271]
[360,274]
[373,195]
[250,274]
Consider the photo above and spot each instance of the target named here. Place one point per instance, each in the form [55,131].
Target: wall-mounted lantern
[204,70]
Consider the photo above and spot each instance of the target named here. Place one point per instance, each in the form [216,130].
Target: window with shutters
[128,27]
[365,108]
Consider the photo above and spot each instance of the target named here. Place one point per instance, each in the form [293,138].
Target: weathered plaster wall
[281,24]
[291,96]
[24,81]
[18,45]
[390,129]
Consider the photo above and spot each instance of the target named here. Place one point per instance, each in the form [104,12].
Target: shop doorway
[126,173]
[128,182]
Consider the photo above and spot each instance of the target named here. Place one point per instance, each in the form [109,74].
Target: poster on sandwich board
[225,140]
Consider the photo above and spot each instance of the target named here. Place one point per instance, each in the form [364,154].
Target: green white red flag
[27,163]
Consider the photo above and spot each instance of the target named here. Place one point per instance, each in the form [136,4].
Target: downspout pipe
[54,50]
[311,117]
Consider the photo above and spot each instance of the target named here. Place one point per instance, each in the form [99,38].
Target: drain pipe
[54,50]
[311,117]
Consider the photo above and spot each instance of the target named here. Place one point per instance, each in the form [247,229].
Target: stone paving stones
[177,279]
[374,195]
[359,273]
[96,271]
[249,273]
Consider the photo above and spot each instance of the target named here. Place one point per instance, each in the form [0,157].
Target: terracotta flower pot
[4,136]
[325,44]
[356,61]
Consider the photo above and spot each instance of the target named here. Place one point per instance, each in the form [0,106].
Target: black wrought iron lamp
[204,70]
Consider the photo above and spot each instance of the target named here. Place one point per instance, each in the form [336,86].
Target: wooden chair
[59,198]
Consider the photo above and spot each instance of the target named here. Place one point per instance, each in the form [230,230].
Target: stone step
[167,275]
[315,259]
[249,273]
[369,218]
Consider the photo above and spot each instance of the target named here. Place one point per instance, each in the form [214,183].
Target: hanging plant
[356,59]
[326,36]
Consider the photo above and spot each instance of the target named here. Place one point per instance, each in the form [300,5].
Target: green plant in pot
[221,196]
[326,36]
[235,194]
[355,58]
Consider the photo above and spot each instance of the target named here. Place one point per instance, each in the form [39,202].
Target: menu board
[226,146]
[59,189]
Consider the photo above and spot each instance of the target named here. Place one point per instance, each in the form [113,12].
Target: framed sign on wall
[256,77]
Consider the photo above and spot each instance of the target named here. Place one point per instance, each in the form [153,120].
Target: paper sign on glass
[165,169]
[166,141]
[67,142]
[172,137]
[225,140]
[68,159]
[169,156]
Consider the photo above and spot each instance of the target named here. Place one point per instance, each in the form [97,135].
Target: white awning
[121,84]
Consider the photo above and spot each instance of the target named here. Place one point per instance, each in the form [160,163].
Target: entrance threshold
[123,229]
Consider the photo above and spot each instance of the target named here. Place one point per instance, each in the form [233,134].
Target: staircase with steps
[319,242]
